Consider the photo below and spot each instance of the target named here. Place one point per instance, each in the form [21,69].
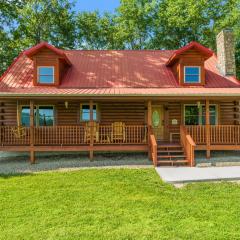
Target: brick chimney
[226,53]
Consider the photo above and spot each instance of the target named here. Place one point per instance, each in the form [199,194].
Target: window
[85,112]
[191,115]
[192,74]
[43,116]
[194,115]
[46,75]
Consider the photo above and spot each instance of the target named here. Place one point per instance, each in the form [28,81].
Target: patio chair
[95,132]
[118,133]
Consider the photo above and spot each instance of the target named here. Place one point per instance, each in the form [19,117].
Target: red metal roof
[205,51]
[126,72]
[33,50]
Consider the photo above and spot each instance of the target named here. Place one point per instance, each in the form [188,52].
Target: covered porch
[73,125]
[130,125]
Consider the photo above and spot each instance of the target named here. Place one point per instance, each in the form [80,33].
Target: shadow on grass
[12,175]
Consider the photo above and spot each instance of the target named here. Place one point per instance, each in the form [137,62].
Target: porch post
[149,123]
[208,141]
[91,130]
[32,154]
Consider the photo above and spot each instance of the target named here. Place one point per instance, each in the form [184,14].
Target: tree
[96,31]
[179,22]
[51,21]
[134,22]
[8,14]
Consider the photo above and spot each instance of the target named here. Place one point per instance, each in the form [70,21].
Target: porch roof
[123,92]
[116,73]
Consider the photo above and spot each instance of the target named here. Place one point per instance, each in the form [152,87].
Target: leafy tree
[134,22]
[95,31]
[8,14]
[179,22]
[51,21]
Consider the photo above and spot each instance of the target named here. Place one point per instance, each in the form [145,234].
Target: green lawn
[115,204]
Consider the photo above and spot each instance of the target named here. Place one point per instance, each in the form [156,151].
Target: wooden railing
[130,134]
[225,134]
[153,149]
[188,145]
[59,135]
[14,136]
[73,135]
[198,133]
[219,134]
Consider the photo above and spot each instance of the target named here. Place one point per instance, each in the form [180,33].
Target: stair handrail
[153,148]
[188,145]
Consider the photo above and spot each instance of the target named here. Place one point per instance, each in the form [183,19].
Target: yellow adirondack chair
[95,132]
[118,133]
[18,131]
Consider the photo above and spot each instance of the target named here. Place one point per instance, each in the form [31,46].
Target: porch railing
[59,135]
[219,134]
[73,135]
[14,136]
[153,149]
[188,145]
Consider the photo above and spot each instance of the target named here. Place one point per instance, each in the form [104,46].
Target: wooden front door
[158,122]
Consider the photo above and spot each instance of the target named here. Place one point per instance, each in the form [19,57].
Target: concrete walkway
[188,174]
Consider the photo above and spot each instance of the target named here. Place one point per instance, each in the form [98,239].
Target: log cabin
[169,103]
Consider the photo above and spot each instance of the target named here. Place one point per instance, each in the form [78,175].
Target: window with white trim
[195,115]
[46,75]
[192,74]
[85,112]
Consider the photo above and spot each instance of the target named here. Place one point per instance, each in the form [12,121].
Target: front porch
[153,126]
[83,138]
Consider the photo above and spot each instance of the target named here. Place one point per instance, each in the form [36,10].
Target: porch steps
[171,154]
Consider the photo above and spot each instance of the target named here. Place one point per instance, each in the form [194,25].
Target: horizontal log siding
[67,116]
[132,112]
[227,113]
[128,112]
[8,113]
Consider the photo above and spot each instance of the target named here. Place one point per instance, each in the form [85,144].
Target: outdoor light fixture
[66,104]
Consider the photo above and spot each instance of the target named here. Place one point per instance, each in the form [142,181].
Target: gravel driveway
[15,163]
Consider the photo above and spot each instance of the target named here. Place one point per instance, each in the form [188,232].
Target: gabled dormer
[187,64]
[50,64]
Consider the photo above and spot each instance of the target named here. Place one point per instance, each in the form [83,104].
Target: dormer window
[46,75]
[192,74]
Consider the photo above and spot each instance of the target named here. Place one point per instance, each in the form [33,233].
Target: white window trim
[37,116]
[97,117]
[199,78]
[200,113]
[39,74]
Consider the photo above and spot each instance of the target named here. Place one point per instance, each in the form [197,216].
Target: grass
[115,204]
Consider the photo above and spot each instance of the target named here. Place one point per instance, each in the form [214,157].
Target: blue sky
[100,5]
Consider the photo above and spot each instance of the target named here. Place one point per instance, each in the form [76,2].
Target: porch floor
[195,174]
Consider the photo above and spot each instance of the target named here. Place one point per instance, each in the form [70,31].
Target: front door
[158,122]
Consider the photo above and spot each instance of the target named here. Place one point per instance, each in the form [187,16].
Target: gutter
[121,95]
